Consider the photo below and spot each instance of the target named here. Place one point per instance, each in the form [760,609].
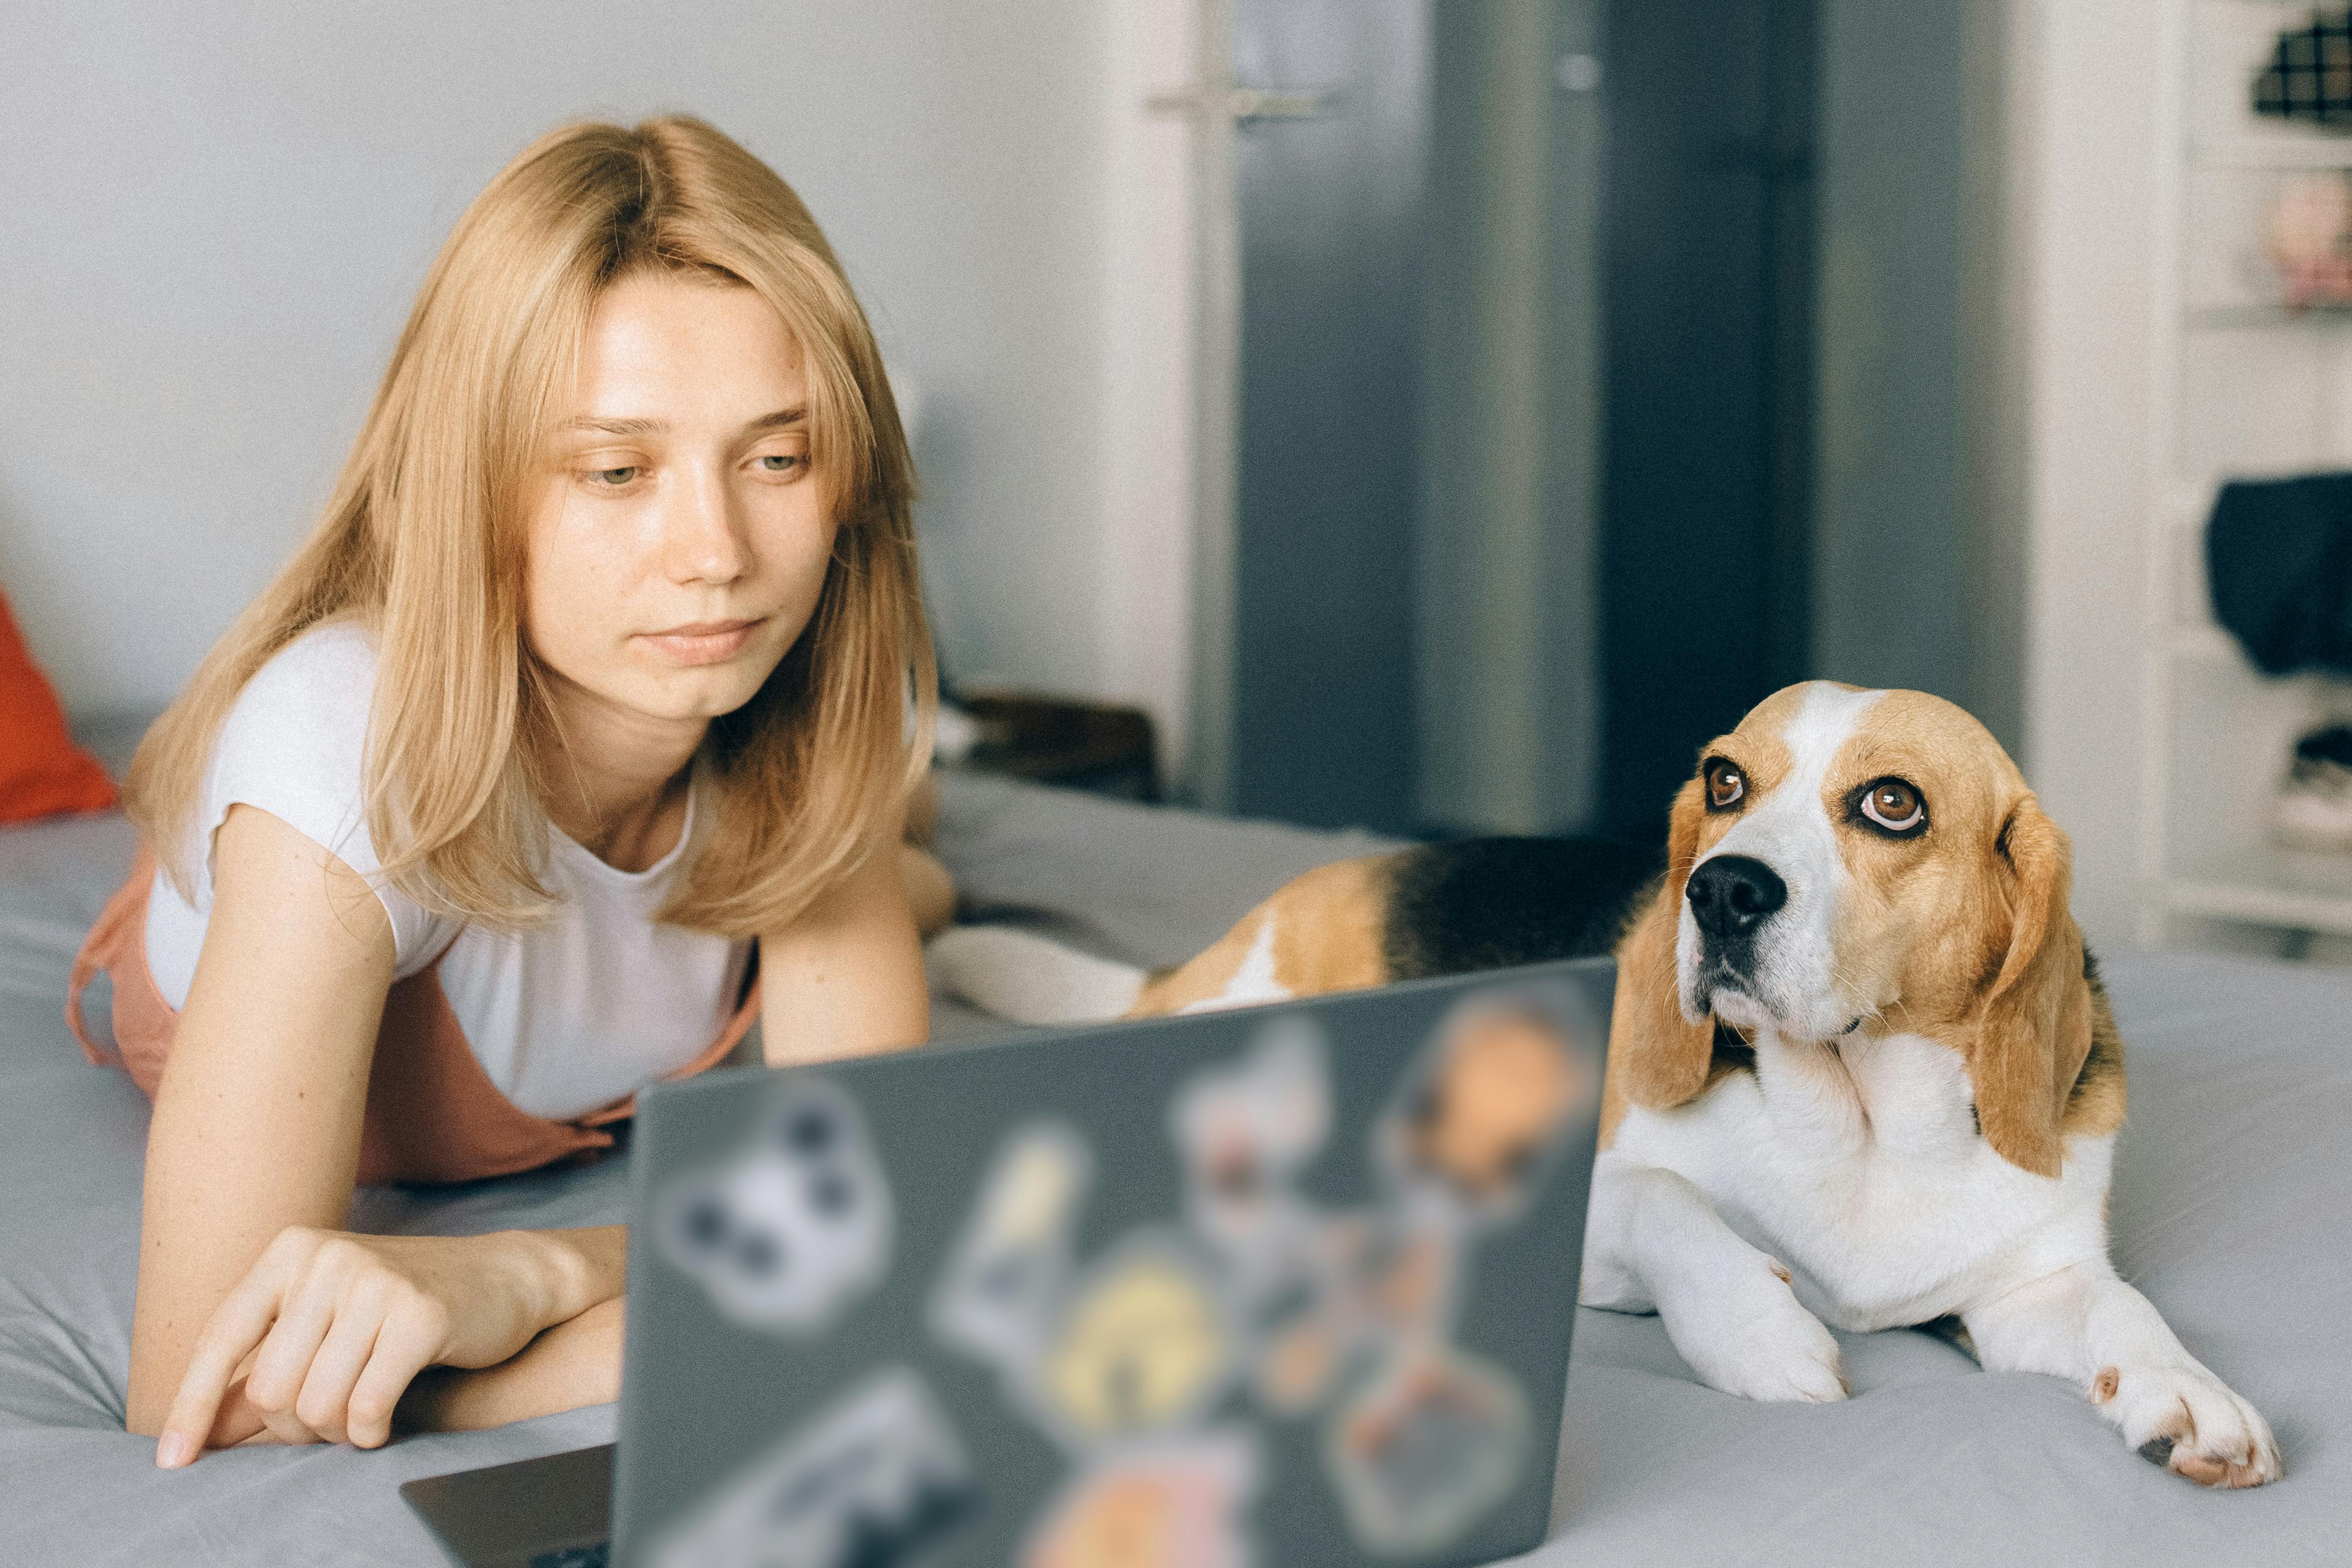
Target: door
[1327,472]
[1707,506]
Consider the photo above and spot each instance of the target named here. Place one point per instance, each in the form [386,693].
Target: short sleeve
[295,745]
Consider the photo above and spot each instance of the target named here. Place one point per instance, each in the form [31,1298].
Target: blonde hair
[422,542]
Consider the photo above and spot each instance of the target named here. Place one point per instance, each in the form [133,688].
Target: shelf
[2249,388]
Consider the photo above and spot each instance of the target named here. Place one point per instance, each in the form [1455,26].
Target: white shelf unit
[2243,388]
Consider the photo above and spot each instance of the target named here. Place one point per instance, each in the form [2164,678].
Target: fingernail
[172,1450]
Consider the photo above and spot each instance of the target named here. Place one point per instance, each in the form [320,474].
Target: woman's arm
[846,977]
[257,1123]
[254,1312]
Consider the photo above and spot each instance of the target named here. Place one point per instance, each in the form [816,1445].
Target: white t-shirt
[594,1003]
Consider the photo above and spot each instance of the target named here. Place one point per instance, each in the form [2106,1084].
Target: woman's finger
[288,1427]
[282,1424]
[239,1419]
[283,1364]
[235,1328]
[404,1346]
[335,1371]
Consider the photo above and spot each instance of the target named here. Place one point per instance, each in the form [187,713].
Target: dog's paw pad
[2103,1387]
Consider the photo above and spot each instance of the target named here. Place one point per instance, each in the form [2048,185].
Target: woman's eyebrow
[599,424]
[589,423]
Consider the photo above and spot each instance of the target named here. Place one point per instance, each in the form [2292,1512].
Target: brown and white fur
[1875,1085]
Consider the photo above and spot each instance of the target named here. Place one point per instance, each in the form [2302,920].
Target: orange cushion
[41,770]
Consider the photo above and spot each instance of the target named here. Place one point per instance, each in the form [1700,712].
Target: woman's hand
[324,1333]
[573,1364]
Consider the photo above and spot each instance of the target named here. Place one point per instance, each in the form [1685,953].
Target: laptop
[1287,1285]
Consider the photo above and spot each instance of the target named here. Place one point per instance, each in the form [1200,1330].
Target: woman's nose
[700,538]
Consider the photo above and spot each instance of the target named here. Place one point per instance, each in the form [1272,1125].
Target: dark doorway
[1699,577]
[1327,484]
[1707,273]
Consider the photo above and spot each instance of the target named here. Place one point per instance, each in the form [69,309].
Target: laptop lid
[1276,1285]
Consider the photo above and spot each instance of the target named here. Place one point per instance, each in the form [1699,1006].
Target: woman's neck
[617,783]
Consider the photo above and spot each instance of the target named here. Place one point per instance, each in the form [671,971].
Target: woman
[573,741]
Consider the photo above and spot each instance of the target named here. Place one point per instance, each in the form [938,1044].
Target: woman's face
[677,540]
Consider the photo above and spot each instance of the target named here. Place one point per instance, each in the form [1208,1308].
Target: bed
[2232,1210]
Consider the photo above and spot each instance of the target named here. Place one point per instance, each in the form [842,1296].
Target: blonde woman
[572,742]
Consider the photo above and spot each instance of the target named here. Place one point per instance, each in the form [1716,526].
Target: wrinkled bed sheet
[2232,1211]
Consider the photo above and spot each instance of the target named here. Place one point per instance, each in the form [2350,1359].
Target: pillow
[42,771]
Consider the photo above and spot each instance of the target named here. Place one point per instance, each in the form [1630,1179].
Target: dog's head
[1860,859]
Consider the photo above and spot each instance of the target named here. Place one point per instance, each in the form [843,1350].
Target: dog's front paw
[2189,1421]
[1747,1334]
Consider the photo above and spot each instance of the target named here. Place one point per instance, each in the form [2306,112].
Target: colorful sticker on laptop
[796,1226]
[1144,1347]
[876,1481]
[1245,1130]
[1394,1284]
[1175,1506]
[1488,1104]
[1009,1275]
[1426,1451]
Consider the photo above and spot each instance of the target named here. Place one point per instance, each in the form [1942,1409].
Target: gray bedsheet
[2232,1210]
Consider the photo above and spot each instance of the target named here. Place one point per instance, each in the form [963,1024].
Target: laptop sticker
[1245,1132]
[1146,1346]
[1486,1107]
[1009,1275]
[874,1481]
[1177,1506]
[796,1227]
[1391,1288]
[1423,1451]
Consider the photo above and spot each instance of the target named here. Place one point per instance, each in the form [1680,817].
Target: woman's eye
[1894,805]
[614,478]
[782,462]
[1725,785]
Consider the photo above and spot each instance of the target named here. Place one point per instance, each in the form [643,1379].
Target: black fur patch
[2105,1057]
[1730,1053]
[1491,904]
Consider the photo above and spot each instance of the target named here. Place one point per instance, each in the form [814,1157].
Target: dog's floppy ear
[1660,1057]
[2033,1028]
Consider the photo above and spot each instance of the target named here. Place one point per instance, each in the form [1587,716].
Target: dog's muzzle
[1731,898]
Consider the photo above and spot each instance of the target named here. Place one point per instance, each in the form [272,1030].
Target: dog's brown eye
[1725,785]
[1894,805]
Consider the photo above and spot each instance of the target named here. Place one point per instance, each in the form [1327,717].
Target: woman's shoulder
[310,698]
[320,674]
[295,741]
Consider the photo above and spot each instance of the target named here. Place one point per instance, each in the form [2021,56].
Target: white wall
[213,220]
[2082,208]
[1144,605]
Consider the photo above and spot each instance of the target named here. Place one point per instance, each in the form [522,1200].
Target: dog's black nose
[1731,894]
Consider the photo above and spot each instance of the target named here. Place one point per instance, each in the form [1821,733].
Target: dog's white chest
[1862,1165]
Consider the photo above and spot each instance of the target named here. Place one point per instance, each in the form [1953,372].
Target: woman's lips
[703,642]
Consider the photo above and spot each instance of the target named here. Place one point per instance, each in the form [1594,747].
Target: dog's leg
[2086,1325]
[1654,1243]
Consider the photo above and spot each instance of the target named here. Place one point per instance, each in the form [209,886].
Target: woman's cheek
[576,620]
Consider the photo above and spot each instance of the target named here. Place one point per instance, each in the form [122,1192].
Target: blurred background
[1436,415]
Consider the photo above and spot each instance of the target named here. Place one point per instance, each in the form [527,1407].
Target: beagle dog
[1862,1072]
